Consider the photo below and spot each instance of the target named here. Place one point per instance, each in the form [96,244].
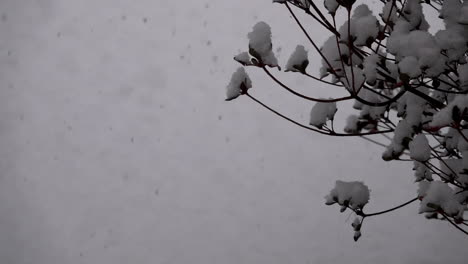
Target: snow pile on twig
[239,84]
[260,45]
[353,194]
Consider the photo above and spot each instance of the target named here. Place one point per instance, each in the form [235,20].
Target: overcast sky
[116,146]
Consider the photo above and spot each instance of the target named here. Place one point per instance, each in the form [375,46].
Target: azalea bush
[409,88]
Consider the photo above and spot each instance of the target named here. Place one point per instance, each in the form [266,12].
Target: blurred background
[116,145]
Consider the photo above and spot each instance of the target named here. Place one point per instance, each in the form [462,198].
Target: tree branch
[304,96]
[391,209]
[314,129]
[455,225]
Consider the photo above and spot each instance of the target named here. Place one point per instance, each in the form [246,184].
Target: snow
[393,69]
[260,45]
[444,117]
[239,81]
[431,62]
[386,15]
[450,11]
[439,195]
[454,13]
[451,139]
[332,53]
[412,108]
[243,58]
[451,168]
[352,124]
[353,194]
[367,111]
[452,42]
[356,224]
[355,74]
[421,171]
[423,186]
[370,68]
[419,148]
[402,135]
[418,51]
[298,61]
[409,66]
[463,17]
[413,13]
[321,112]
[364,26]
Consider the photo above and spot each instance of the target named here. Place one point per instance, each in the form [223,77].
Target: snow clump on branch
[321,112]
[354,195]
[239,84]
[260,45]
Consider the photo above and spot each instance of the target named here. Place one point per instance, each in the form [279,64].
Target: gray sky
[117,146]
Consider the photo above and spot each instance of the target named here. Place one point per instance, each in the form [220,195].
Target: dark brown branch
[314,129]
[430,100]
[320,80]
[350,50]
[391,209]
[304,96]
[444,91]
[339,53]
[385,103]
[461,133]
[310,39]
[332,28]
[386,25]
[374,141]
[455,225]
